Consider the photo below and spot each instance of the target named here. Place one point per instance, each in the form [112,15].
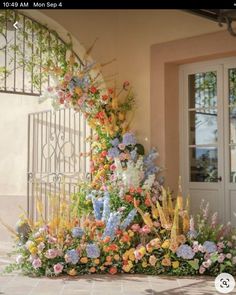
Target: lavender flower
[112,225]
[92,251]
[185,252]
[127,221]
[133,155]
[115,142]
[72,256]
[113,152]
[77,232]
[209,247]
[97,206]
[129,139]
[106,207]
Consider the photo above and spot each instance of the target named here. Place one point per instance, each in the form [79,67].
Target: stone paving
[15,284]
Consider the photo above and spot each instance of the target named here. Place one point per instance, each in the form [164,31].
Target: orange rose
[113,270]
[92,269]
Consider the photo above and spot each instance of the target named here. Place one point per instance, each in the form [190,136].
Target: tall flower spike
[165,204]
[146,216]
[175,226]
[154,208]
[170,204]
[180,197]
[164,222]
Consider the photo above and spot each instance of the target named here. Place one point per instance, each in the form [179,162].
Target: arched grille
[26,50]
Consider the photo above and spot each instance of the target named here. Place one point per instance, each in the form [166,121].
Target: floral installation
[123,220]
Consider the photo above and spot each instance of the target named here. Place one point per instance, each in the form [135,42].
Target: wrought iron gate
[57,147]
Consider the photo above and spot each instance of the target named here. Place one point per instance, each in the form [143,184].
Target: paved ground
[15,284]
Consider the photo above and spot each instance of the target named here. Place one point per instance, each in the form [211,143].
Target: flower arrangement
[124,220]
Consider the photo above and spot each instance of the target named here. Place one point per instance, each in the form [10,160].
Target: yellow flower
[33,250]
[116,257]
[175,264]
[166,244]
[144,264]
[128,267]
[132,257]
[131,233]
[142,250]
[72,272]
[39,240]
[97,261]
[84,260]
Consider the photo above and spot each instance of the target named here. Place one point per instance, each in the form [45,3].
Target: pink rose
[221,258]
[145,230]
[51,240]
[207,263]
[135,227]
[234,260]
[220,245]
[37,263]
[121,146]
[202,269]
[228,255]
[58,268]
[51,253]
[207,256]
[113,167]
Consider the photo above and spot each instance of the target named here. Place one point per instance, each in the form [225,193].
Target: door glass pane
[203,164]
[233,164]
[232,124]
[203,127]
[232,86]
[203,90]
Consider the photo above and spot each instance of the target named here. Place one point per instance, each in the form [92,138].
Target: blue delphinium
[92,251]
[149,163]
[134,155]
[192,234]
[97,207]
[127,221]
[112,225]
[113,152]
[114,142]
[129,139]
[209,246]
[72,256]
[77,232]
[185,252]
[106,207]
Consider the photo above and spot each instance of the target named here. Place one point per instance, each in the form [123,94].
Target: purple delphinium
[97,206]
[112,225]
[106,207]
[185,252]
[114,142]
[209,247]
[77,232]
[113,152]
[129,139]
[127,221]
[92,251]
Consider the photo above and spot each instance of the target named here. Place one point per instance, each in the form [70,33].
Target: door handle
[219,178]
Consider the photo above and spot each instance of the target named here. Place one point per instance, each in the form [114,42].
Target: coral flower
[113,270]
[106,239]
[92,269]
[166,262]
[93,89]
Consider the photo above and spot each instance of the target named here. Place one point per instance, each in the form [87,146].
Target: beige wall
[166,59]
[127,35]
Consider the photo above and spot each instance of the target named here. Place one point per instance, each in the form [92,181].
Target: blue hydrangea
[72,256]
[129,139]
[77,232]
[113,152]
[127,221]
[209,247]
[112,225]
[92,251]
[114,142]
[106,207]
[185,252]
